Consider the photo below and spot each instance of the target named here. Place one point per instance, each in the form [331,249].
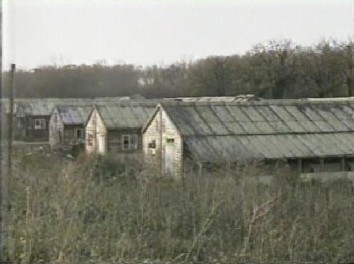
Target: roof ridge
[284,102]
[267,134]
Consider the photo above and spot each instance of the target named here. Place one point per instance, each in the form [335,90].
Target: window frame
[170,141]
[82,133]
[41,125]
[152,144]
[90,139]
[132,144]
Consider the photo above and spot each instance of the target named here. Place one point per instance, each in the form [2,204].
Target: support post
[10,125]
[343,164]
[299,166]
[7,176]
[200,169]
[322,164]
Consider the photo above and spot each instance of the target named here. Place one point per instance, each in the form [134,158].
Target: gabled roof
[272,129]
[74,115]
[237,98]
[131,115]
[44,106]
[261,118]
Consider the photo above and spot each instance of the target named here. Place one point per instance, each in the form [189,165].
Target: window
[79,133]
[39,124]
[152,147]
[129,142]
[89,139]
[152,144]
[170,140]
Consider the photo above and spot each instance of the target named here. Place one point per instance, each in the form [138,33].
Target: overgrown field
[107,211]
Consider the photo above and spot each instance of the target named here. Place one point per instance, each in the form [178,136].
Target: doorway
[170,156]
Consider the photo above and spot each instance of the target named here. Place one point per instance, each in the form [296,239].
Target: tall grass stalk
[109,210]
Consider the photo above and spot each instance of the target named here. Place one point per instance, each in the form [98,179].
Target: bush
[100,210]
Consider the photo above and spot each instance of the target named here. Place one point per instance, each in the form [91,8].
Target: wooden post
[10,125]
[7,176]
[200,169]
[343,164]
[299,165]
[322,164]
[162,151]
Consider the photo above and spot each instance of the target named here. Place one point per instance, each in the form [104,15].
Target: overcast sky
[161,32]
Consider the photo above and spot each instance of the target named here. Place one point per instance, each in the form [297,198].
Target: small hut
[66,125]
[116,128]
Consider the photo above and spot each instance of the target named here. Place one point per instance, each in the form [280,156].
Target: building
[116,128]
[236,98]
[66,125]
[310,135]
[33,114]
[32,117]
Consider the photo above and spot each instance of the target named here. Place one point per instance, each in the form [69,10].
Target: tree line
[275,69]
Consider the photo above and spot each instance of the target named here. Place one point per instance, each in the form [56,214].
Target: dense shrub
[88,212]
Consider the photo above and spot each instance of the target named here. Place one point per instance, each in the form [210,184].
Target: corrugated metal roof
[126,115]
[74,115]
[260,118]
[6,103]
[44,106]
[232,131]
[245,147]
[237,98]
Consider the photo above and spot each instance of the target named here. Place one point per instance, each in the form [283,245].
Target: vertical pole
[322,164]
[343,164]
[10,125]
[299,165]
[94,121]
[5,182]
[162,156]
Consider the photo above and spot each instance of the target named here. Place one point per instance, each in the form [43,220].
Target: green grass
[102,210]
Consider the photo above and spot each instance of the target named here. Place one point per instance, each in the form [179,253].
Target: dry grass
[101,211]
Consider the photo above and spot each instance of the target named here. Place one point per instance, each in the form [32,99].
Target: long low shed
[317,134]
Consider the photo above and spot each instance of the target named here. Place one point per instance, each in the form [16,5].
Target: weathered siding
[115,140]
[152,144]
[325,165]
[167,156]
[25,128]
[34,134]
[70,136]
[20,128]
[95,139]
[100,139]
[55,129]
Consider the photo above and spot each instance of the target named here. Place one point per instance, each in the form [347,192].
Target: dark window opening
[90,140]
[129,142]
[39,124]
[152,144]
[170,140]
[79,134]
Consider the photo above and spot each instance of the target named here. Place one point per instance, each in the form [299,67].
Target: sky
[60,32]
